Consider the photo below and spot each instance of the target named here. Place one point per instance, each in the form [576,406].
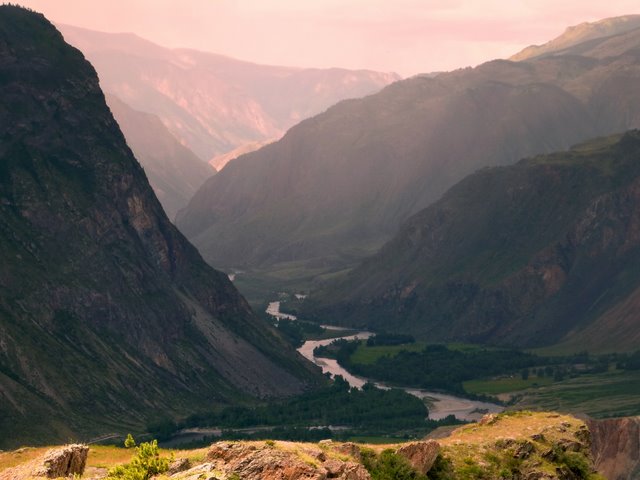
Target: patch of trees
[295,331]
[365,411]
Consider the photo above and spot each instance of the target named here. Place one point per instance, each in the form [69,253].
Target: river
[440,405]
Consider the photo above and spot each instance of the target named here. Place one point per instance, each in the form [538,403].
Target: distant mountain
[219,161]
[213,103]
[581,34]
[174,171]
[338,185]
[109,318]
[545,251]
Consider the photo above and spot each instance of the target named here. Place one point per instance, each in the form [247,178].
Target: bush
[389,466]
[146,463]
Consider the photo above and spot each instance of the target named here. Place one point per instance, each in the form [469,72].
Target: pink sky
[405,36]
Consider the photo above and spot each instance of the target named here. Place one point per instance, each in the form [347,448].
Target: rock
[354,471]
[348,448]
[538,437]
[63,462]
[179,465]
[524,450]
[287,461]
[488,419]
[570,446]
[421,455]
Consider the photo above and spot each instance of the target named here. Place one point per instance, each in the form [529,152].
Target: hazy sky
[405,36]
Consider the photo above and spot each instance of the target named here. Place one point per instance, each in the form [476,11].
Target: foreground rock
[63,462]
[523,445]
[421,455]
[275,460]
[59,462]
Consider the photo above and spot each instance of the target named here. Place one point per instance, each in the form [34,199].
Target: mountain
[545,251]
[174,171]
[581,34]
[338,185]
[213,103]
[109,317]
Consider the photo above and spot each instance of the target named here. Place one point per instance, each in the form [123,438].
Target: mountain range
[108,316]
[338,185]
[213,103]
[543,252]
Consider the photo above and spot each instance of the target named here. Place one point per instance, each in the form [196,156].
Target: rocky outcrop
[528,445]
[63,462]
[274,461]
[421,455]
[615,447]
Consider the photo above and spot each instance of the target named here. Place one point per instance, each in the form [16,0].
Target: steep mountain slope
[529,254]
[580,34]
[174,171]
[212,103]
[108,316]
[338,185]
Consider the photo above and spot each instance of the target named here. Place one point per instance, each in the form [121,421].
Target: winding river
[440,405]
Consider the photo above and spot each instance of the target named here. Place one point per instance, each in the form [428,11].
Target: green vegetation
[433,366]
[496,386]
[145,463]
[608,394]
[388,465]
[357,412]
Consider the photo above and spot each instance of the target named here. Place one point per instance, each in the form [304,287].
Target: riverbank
[440,405]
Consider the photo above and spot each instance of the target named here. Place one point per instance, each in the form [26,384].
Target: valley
[220,269]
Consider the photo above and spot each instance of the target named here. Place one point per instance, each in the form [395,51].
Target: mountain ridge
[214,103]
[108,316]
[531,254]
[338,185]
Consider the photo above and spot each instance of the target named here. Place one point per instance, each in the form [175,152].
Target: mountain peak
[581,33]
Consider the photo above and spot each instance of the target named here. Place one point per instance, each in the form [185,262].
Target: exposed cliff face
[108,316]
[339,185]
[174,171]
[615,447]
[543,251]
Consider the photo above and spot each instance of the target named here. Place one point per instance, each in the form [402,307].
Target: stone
[421,455]
[63,462]
[179,465]
[524,450]
[285,462]
[348,448]
[334,468]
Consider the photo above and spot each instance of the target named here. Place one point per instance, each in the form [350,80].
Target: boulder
[421,455]
[63,462]
[282,461]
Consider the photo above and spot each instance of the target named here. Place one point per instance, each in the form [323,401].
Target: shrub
[389,466]
[146,463]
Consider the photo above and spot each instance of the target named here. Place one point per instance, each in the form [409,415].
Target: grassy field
[498,386]
[100,456]
[611,394]
[368,355]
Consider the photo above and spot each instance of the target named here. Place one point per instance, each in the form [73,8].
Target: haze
[404,36]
